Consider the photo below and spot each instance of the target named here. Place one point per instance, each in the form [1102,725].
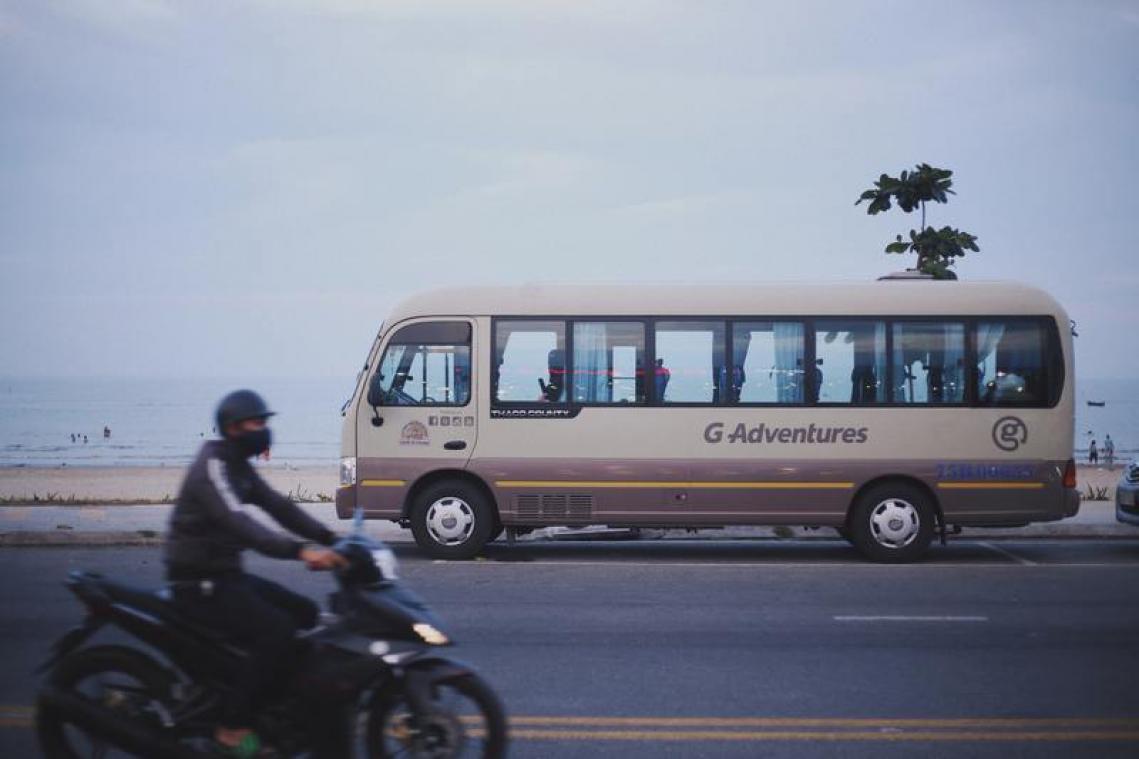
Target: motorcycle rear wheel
[120,679]
[468,721]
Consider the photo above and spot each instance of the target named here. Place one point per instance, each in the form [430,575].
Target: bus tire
[452,520]
[892,523]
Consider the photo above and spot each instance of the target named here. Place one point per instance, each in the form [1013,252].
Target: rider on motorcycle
[210,528]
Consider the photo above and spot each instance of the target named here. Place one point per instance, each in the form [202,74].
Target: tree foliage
[936,249]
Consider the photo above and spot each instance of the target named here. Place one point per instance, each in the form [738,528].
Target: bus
[893,411]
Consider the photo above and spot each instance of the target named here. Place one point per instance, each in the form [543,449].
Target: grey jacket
[211,526]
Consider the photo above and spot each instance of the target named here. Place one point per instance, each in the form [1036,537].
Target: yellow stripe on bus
[990,485]
[692,485]
[383,483]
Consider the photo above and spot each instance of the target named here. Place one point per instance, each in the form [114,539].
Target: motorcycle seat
[158,603]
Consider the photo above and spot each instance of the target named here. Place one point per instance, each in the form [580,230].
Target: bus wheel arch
[889,501]
[452,514]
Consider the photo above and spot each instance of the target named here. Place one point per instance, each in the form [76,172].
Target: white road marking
[1009,554]
[907,618]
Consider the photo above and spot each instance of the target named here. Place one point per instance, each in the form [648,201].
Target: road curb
[42,539]
[148,538]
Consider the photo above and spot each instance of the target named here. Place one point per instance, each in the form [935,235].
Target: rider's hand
[322,558]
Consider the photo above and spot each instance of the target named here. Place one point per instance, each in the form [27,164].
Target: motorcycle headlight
[430,634]
[348,471]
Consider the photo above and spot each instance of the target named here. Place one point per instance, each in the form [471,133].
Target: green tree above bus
[937,249]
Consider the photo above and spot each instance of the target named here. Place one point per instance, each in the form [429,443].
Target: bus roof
[880,298]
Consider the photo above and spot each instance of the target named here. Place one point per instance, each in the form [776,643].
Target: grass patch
[1096,494]
[56,499]
[300,495]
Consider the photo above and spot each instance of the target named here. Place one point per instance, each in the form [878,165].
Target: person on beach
[209,529]
[1109,451]
[1093,453]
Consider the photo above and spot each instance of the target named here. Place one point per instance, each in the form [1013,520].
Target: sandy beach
[21,485]
[144,484]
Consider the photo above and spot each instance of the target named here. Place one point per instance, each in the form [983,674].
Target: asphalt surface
[735,648]
[95,525]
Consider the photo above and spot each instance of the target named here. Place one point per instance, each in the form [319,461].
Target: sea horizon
[161,421]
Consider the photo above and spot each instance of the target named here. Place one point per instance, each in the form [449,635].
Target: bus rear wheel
[892,523]
[452,520]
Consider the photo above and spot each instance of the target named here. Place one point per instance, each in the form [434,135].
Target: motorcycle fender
[71,640]
[438,668]
[421,674]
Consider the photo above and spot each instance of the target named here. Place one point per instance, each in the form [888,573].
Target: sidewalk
[145,525]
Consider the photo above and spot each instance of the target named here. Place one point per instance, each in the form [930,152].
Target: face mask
[254,443]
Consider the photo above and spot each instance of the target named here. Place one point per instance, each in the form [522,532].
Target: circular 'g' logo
[1010,433]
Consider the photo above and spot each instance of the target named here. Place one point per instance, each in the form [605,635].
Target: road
[755,648]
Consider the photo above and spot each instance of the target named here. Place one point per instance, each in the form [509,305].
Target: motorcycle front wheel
[466,720]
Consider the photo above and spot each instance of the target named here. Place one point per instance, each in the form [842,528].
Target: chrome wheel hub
[450,521]
[894,523]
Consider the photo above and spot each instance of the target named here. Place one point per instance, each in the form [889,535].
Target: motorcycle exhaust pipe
[105,724]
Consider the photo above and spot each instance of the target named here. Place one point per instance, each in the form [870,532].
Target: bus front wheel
[892,522]
[452,520]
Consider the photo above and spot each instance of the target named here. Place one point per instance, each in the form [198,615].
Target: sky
[244,188]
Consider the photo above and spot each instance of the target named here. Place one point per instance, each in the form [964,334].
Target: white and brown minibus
[892,411]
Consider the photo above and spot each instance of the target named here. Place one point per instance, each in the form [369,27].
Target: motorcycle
[370,680]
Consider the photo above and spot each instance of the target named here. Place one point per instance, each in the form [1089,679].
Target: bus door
[419,411]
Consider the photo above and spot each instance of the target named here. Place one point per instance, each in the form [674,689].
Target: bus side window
[767,362]
[1011,365]
[608,362]
[929,362]
[853,354]
[530,356]
[696,371]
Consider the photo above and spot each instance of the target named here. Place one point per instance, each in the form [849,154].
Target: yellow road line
[668,484]
[990,485]
[862,722]
[863,729]
[810,735]
[383,483]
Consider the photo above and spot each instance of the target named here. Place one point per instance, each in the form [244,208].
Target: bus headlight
[348,471]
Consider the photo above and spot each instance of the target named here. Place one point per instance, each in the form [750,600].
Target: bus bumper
[1071,502]
[345,501]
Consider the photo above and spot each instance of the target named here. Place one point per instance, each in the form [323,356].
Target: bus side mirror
[376,397]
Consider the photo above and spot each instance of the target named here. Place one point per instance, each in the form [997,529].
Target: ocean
[157,422]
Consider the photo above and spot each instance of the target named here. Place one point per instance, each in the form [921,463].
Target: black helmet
[239,406]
